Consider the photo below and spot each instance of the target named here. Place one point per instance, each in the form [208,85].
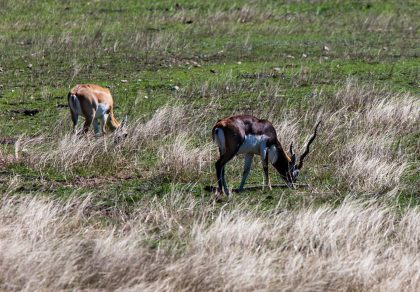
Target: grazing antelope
[249,135]
[93,102]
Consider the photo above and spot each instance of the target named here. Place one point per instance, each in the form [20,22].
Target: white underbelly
[101,110]
[253,144]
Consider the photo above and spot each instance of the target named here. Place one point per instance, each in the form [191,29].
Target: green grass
[155,46]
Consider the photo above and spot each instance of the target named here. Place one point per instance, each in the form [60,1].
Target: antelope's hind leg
[220,173]
[88,121]
[89,113]
[75,119]
[264,162]
[247,168]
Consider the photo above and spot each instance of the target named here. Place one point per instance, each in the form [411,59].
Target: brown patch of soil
[97,181]
[26,112]
[8,140]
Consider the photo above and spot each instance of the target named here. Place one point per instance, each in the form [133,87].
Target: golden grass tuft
[49,245]
[182,161]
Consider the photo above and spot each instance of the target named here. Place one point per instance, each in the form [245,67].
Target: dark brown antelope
[93,102]
[249,135]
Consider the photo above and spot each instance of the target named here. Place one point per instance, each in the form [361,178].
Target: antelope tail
[74,103]
[219,138]
[112,121]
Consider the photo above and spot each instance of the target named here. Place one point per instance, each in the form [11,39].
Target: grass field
[83,213]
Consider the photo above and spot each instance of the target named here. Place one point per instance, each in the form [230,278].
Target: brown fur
[89,96]
[235,129]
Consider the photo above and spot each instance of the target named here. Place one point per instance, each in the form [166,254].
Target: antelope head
[121,132]
[293,171]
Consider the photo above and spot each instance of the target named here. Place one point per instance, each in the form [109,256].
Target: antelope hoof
[218,196]
[291,186]
[268,187]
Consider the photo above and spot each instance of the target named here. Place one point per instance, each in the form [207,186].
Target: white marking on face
[252,144]
[101,110]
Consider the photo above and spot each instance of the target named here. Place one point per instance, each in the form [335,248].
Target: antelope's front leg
[96,126]
[264,162]
[104,120]
[247,168]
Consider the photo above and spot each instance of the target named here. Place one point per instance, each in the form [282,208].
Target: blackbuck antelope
[249,135]
[93,102]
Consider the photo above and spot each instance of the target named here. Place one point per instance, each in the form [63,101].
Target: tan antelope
[249,135]
[93,102]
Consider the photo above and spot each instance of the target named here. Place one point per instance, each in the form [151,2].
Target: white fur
[101,110]
[254,144]
[219,137]
[75,104]
[247,168]
[273,154]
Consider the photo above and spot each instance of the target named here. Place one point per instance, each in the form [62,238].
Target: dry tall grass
[370,164]
[169,135]
[180,243]
[181,160]
[358,140]
[116,237]
[370,124]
